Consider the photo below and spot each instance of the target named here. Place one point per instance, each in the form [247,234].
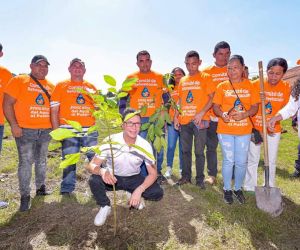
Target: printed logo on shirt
[80,99]
[145,92]
[238,106]
[189,97]
[268,108]
[40,100]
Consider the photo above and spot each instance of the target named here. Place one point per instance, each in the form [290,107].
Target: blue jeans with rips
[235,152]
[32,148]
[159,156]
[72,146]
[173,136]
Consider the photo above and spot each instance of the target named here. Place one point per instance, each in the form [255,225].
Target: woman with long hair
[276,92]
[173,134]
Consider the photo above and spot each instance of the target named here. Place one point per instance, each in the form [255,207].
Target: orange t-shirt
[147,90]
[276,98]
[5,76]
[226,97]
[218,75]
[32,107]
[193,95]
[73,104]
[175,96]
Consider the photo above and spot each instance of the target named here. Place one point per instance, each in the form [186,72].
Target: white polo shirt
[127,160]
[290,109]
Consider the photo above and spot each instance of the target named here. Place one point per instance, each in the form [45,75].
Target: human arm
[94,167]
[176,116]
[176,121]
[149,180]
[287,111]
[219,112]
[237,116]
[54,116]
[9,112]
[199,116]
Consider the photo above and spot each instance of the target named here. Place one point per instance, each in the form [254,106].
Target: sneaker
[180,173]
[25,203]
[239,196]
[201,185]
[296,174]
[42,191]
[211,180]
[102,215]
[228,196]
[168,172]
[3,204]
[161,179]
[183,181]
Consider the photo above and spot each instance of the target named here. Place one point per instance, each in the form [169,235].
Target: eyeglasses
[131,124]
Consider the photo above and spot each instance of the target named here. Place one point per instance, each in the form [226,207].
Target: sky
[107,34]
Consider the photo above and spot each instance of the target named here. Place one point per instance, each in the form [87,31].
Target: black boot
[42,191]
[25,203]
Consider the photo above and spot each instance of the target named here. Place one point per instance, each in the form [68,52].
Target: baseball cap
[39,58]
[77,60]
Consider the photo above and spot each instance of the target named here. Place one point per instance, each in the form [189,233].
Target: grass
[186,218]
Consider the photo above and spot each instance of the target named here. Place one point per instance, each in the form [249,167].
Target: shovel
[267,198]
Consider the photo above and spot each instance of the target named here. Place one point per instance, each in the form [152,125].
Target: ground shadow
[191,222]
[70,223]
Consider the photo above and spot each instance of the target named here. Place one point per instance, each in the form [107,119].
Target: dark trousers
[130,183]
[187,133]
[297,162]
[211,149]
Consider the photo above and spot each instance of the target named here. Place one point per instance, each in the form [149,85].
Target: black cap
[39,58]
[77,60]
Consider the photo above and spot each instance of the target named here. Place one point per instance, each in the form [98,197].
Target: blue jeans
[72,146]
[173,136]
[235,152]
[1,136]
[159,157]
[32,148]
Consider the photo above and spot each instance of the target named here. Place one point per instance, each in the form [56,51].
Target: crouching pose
[127,168]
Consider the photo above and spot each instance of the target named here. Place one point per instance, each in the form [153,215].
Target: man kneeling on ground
[127,162]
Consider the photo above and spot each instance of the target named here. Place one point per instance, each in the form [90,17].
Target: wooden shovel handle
[264,123]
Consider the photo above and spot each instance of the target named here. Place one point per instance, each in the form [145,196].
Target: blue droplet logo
[80,99]
[189,97]
[238,106]
[40,100]
[268,108]
[145,92]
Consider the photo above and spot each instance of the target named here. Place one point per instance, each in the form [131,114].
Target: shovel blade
[269,200]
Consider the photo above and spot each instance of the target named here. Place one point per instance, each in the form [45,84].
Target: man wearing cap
[5,76]
[69,102]
[26,107]
[127,171]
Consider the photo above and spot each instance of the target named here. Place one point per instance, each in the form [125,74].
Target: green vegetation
[186,218]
